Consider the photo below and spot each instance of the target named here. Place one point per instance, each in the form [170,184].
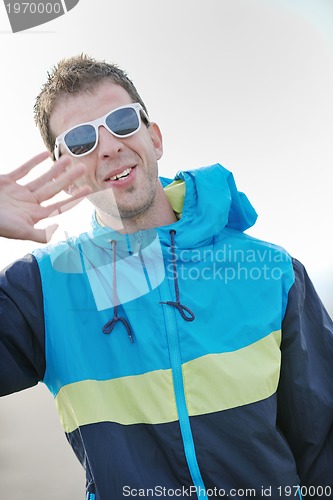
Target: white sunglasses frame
[96,124]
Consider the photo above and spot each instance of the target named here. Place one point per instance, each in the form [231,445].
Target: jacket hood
[207,201]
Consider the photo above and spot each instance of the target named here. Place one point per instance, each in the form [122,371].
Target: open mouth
[121,176]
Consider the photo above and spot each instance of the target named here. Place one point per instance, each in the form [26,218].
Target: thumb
[43,235]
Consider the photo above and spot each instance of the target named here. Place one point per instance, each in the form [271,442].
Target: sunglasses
[83,138]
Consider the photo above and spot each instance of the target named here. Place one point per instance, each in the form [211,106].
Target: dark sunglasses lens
[81,139]
[123,121]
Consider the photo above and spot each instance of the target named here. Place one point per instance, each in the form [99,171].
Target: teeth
[122,174]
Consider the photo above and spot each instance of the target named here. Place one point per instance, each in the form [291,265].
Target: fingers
[62,206]
[58,178]
[60,183]
[42,235]
[27,232]
[45,235]
[24,169]
[52,173]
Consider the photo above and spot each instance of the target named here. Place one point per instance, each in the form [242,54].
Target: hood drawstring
[184,311]
[108,327]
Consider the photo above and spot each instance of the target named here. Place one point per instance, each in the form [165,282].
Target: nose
[108,145]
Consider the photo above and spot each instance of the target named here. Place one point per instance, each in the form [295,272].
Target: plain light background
[246,83]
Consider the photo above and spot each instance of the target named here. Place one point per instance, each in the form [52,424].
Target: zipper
[91,494]
[178,384]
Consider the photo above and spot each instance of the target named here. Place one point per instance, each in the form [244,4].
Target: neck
[156,217]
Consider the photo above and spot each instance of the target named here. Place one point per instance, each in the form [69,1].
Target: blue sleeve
[22,337]
[305,394]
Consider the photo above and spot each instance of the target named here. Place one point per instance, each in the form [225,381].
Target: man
[185,358]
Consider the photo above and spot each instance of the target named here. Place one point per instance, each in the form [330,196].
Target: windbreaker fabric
[163,353]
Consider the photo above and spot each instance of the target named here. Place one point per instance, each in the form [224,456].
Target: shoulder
[22,274]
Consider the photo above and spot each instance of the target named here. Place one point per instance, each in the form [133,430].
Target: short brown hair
[72,76]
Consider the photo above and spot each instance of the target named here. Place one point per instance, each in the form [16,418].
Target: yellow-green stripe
[212,383]
[222,381]
[126,400]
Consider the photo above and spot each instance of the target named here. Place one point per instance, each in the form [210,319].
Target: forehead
[88,105]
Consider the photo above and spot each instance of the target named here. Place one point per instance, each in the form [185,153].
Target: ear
[156,137]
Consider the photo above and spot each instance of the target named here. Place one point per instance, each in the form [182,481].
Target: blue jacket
[190,360]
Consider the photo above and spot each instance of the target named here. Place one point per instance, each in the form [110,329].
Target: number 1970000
[34,8]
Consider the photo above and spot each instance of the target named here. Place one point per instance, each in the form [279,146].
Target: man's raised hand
[21,205]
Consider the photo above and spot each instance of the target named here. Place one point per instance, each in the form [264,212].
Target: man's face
[137,192]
